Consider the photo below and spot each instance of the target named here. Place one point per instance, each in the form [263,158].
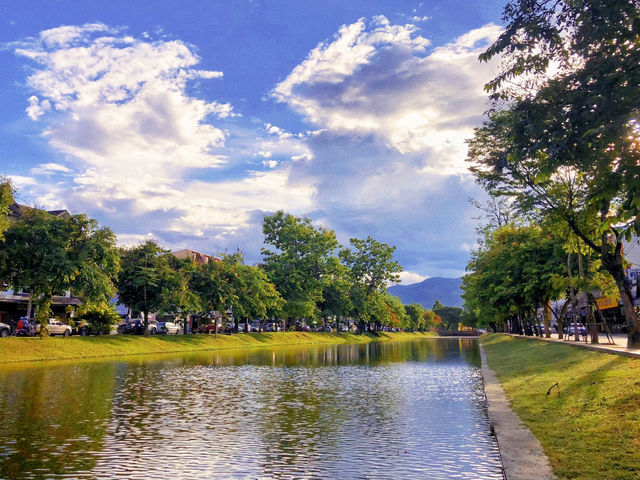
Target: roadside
[14,349]
[583,407]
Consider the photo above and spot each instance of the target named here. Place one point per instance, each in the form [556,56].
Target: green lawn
[14,349]
[591,429]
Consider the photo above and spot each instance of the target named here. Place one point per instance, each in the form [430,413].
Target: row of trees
[562,143]
[305,275]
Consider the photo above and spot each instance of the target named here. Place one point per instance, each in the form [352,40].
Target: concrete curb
[522,455]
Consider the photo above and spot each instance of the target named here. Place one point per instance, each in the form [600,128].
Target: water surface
[382,410]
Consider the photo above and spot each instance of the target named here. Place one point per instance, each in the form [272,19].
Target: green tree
[336,286]
[568,143]
[372,269]
[100,316]
[178,298]
[415,316]
[250,295]
[297,261]
[6,199]
[512,274]
[146,279]
[49,255]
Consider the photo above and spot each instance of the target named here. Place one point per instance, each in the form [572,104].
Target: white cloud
[408,278]
[36,108]
[19,181]
[132,137]
[381,80]
[49,169]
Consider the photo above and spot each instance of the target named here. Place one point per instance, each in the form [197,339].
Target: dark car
[136,326]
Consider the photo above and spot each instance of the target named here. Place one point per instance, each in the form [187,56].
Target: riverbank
[14,349]
[589,427]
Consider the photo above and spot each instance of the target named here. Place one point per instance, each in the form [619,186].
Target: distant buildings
[197,257]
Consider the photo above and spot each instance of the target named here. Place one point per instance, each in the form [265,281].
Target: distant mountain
[447,290]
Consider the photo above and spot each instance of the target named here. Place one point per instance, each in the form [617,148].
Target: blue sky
[187,122]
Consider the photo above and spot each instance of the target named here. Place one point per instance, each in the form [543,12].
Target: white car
[5,330]
[56,327]
[169,328]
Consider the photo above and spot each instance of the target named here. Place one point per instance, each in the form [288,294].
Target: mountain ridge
[446,290]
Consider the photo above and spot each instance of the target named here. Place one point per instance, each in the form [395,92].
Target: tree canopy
[562,137]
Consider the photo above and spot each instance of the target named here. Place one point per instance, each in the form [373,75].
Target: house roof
[17,210]
[196,257]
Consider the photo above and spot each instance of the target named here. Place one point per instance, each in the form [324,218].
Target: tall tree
[146,279]
[372,269]
[297,261]
[511,274]
[6,199]
[48,255]
[567,144]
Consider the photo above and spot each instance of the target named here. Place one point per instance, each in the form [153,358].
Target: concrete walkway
[522,455]
[620,347]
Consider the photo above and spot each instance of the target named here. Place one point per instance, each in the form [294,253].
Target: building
[197,257]
[15,303]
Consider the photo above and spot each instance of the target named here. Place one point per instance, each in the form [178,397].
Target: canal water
[381,410]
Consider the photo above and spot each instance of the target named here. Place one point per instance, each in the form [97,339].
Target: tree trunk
[560,318]
[145,316]
[547,320]
[593,327]
[613,264]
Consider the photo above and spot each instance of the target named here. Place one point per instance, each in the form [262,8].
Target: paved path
[522,455]
[620,347]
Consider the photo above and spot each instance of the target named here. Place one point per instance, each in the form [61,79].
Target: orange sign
[607,302]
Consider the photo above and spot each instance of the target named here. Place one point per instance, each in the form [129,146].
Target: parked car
[272,327]
[168,328]
[209,328]
[136,326]
[5,330]
[56,327]
[244,328]
[571,329]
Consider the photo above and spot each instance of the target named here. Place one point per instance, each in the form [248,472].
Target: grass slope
[591,430]
[57,348]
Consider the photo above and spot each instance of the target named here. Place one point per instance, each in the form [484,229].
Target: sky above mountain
[187,122]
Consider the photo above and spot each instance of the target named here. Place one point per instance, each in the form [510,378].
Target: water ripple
[358,411]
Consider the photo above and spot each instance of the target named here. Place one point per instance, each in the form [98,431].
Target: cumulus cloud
[384,154]
[408,278]
[381,79]
[134,140]
[393,113]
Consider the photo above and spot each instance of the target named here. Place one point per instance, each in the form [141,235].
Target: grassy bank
[57,348]
[591,429]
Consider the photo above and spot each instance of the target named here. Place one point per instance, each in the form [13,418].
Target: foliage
[6,199]
[100,316]
[336,288]
[397,313]
[297,261]
[512,274]
[146,278]
[48,255]
[416,318]
[566,144]
[450,317]
[371,263]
